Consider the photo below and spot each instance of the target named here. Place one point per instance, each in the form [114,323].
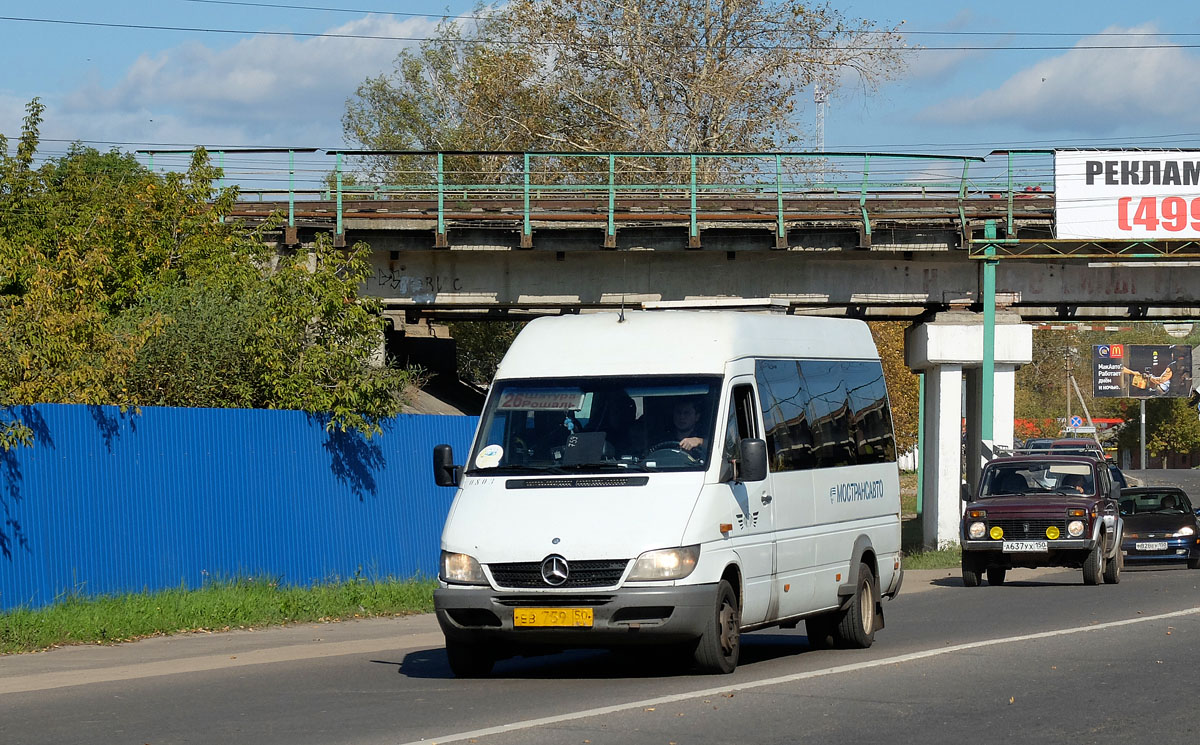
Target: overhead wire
[557,44]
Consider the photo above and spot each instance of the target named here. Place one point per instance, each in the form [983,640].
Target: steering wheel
[665,445]
[672,447]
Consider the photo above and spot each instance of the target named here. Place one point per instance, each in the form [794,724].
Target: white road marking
[674,698]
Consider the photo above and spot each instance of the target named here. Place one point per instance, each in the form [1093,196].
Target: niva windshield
[1041,477]
[597,425]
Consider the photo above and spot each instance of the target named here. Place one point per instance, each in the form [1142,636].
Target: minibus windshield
[597,425]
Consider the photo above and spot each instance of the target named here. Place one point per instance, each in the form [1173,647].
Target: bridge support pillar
[949,351]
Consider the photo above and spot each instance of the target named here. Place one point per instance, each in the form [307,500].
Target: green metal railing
[537,179]
[694,178]
[222,152]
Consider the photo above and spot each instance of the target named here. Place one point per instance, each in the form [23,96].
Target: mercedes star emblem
[555,570]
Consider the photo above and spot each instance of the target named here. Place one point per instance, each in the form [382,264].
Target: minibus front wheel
[720,644]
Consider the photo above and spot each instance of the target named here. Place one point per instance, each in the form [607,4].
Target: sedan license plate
[1016,547]
[1151,545]
[544,617]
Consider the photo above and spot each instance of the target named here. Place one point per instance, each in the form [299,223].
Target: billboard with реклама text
[1141,370]
[1128,195]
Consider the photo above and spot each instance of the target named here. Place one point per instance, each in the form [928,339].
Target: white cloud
[1091,91]
[937,65]
[277,91]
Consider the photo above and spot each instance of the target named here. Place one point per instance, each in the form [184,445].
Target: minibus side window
[784,402]
[825,413]
[870,419]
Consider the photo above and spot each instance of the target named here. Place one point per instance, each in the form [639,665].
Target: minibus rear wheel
[468,660]
[857,627]
[719,645]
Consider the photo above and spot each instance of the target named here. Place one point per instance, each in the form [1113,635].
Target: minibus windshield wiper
[608,467]
[514,468]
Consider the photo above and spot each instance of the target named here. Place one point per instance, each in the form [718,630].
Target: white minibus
[672,479]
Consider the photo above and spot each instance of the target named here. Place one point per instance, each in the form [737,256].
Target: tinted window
[824,413]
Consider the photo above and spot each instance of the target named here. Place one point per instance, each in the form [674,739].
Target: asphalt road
[1042,659]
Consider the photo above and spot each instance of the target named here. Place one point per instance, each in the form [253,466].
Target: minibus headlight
[461,569]
[1075,528]
[976,531]
[666,563]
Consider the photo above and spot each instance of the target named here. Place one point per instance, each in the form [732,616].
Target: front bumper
[1178,549]
[1059,544]
[1061,552]
[628,616]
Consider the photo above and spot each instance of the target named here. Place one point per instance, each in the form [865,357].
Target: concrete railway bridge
[964,248]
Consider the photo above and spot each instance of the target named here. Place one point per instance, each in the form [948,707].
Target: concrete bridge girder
[871,283]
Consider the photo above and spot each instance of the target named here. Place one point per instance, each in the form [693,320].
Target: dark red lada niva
[1042,510]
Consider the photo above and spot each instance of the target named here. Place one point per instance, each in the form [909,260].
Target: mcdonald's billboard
[1141,370]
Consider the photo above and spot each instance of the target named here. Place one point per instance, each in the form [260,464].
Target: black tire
[856,629]
[972,571]
[1112,568]
[820,631]
[468,660]
[1093,567]
[1194,562]
[720,644]
[995,575]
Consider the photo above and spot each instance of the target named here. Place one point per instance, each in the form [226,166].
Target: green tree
[1177,431]
[902,384]
[119,286]
[595,76]
[480,346]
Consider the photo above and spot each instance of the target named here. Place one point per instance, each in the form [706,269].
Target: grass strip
[946,558]
[219,605]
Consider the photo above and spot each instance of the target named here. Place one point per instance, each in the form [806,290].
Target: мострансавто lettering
[860,491]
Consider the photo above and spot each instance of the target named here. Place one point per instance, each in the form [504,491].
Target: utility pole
[1067,367]
[820,98]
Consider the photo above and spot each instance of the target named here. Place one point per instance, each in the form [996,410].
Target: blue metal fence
[109,501]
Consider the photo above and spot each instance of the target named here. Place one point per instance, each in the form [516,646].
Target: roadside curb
[193,652]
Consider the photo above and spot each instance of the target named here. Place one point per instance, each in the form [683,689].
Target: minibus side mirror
[753,463]
[445,473]
[964,493]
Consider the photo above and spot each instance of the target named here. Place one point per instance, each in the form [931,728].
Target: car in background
[1161,525]
[1077,446]
[1042,510]
[1118,476]
[1037,443]
[1091,449]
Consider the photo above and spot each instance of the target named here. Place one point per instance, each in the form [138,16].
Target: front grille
[1028,530]
[591,573]
[555,601]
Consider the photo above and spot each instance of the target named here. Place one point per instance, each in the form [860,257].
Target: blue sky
[136,88]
